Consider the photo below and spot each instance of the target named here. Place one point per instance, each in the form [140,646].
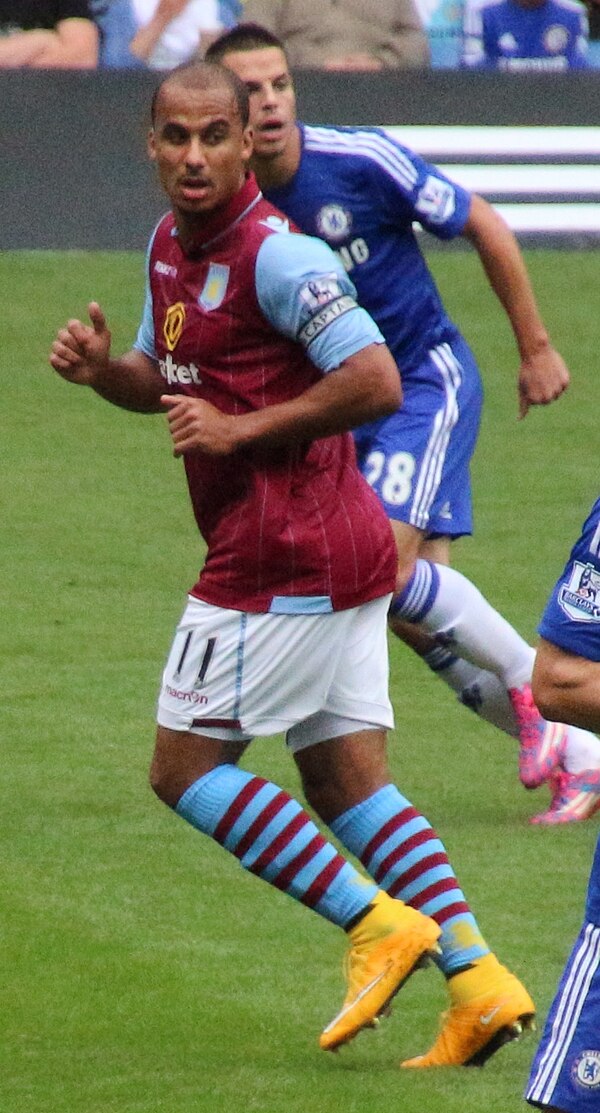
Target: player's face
[272,99]
[200,147]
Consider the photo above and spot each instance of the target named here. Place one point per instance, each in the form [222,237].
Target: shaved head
[201,77]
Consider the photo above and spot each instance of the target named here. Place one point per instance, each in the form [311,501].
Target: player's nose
[195,154]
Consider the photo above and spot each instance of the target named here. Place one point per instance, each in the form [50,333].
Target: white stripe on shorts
[430,472]
[583,965]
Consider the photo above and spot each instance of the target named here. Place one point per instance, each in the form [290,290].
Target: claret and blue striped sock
[402,853]
[274,838]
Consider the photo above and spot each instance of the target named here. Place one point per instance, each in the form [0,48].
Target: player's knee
[405,572]
[551,690]
[168,781]
[550,701]
[160,781]
[313,788]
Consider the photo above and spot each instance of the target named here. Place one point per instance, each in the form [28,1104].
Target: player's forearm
[566,687]
[363,388]
[130,384]
[504,266]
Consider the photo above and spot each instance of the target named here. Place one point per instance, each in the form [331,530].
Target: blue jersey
[571,619]
[507,36]
[565,1073]
[361,191]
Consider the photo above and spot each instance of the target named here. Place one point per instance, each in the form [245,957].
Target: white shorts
[232,675]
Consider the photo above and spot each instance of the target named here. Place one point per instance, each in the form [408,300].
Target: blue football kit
[566,1069]
[506,36]
[363,192]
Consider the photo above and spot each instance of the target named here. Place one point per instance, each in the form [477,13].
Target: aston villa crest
[215,287]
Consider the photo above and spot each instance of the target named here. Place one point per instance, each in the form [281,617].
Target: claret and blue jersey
[252,317]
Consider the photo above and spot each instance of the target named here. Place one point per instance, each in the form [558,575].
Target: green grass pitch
[143,971]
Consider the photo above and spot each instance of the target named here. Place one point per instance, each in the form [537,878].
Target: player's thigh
[436,549]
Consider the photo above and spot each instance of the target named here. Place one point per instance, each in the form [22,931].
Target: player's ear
[151,144]
[247,143]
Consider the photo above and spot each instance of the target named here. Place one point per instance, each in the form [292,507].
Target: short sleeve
[571,619]
[305,293]
[144,341]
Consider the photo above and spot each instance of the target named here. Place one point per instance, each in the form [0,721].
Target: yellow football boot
[387,945]
[489,1007]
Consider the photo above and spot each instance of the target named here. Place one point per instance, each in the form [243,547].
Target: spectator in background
[47,34]
[518,35]
[443,24]
[344,34]
[160,34]
[117,25]
[593,9]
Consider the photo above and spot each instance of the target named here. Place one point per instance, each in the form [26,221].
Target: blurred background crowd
[341,35]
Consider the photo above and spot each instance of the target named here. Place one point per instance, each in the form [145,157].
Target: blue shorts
[418,459]
[566,1069]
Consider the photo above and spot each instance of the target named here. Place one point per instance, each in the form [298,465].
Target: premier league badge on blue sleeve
[580,597]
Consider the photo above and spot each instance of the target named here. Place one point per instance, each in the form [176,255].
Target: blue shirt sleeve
[144,341]
[304,291]
[571,619]
[411,189]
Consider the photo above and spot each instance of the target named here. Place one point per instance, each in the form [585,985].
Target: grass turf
[143,970]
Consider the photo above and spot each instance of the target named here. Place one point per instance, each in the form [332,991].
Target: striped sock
[403,854]
[416,599]
[448,606]
[274,838]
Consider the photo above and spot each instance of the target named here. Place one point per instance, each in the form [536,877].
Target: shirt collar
[220,222]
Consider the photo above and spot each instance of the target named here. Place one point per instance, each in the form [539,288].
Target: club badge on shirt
[213,292]
[334,222]
[556,39]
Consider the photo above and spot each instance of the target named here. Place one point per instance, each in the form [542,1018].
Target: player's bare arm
[364,387]
[543,375]
[566,686]
[81,355]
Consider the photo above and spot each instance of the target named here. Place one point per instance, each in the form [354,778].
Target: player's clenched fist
[80,351]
